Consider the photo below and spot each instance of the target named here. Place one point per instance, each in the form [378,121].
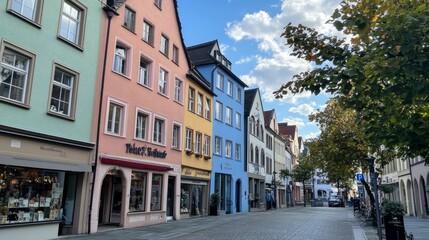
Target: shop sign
[144,151]
[195,173]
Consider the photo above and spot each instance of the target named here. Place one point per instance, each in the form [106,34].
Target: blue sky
[249,34]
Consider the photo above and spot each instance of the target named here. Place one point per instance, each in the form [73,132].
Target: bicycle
[363,213]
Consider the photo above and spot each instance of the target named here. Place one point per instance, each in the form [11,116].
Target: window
[175,54]
[262,157]
[178,85]
[238,95]
[189,139]
[198,142]
[228,148]
[238,120]
[191,99]
[16,73]
[200,104]
[229,88]
[164,45]
[29,9]
[138,191]
[158,3]
[228,116]
[158,131]
[207,110]
[63,92]
[175,142]
[257,155]
[115,118]
[156,194]
[129,19]
[72,22]
[218,110]
[144,73]
[251,152]
[206,147]
[120,60]
[251,124]
[218,145]
[219,81]
[163,81]
[148,32]
[142,123]
[237,152]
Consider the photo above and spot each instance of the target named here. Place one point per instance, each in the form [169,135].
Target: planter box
[394,227]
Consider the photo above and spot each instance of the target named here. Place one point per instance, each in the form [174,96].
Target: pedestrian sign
[359,176]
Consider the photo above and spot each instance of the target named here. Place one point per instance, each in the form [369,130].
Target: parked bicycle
[363,213]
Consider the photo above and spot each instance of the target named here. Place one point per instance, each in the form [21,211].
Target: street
[285,223]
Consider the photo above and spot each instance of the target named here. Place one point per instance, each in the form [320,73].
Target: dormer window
[223,60]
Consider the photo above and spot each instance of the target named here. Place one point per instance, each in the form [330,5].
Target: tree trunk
[371,198]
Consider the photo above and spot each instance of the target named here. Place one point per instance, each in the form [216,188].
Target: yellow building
[197,154]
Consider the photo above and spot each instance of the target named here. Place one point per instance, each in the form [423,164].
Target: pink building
[137,178]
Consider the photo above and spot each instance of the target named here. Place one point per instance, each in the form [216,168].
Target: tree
[381,73]
[303,172]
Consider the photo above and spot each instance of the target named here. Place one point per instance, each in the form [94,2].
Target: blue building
[228,178]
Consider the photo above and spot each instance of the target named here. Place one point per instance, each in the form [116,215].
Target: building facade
[141,115]
[228,177]
[49,54]
[197,154]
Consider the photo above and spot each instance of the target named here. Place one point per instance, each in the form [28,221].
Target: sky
[249,33]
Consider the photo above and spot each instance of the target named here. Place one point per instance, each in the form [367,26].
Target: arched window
[262,133]
[262,158]
[257,155]
[251,152]
[257,128]
[251,125]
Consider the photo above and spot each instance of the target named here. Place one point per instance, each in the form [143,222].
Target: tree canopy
[380,69]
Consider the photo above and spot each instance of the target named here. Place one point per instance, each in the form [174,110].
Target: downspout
[212,88]
[110,12]
[412,186]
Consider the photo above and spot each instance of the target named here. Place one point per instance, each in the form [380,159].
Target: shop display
[28,195]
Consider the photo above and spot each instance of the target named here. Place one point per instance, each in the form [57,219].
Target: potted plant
[189,152]
[214,203]
[393,217]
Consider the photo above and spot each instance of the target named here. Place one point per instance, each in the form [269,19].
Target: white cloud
[311,135]
[299,122]
[303,109]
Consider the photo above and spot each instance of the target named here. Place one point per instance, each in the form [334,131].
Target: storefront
[194,192]
[42,186]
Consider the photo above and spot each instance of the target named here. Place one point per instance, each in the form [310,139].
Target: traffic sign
[359,176]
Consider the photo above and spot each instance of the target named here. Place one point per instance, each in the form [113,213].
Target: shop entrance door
[111,199]
[170,198]
[238,196]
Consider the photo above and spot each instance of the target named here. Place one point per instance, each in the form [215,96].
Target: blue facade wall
[238,199]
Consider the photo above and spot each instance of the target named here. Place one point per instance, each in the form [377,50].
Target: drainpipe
[412,186]
[109,8]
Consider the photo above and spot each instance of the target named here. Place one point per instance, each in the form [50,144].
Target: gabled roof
[287,130]
[249,98]
[195,75]
[268,116]
[200,55]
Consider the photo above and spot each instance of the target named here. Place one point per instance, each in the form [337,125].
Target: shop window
[30,195]
[155,203]
[138,191]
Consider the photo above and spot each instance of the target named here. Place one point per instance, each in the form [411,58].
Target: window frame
[219,81]
[175,54]
[218,145]
[178,90]
[122,120]
[199,109]
[143,191]
[156,201]
[228,148]
[158,4]
[149,71]
[81,27]
[165,79]
[228,115]
[148,32]
[73,95]
[237,120]
[162,134]
[127,12]
[229,88]
[238,94]
[31,57]
[206,146]
[219,111]
[237,152]
[175,143]
[147,127]
[191,99]
[164,46]
[189,139]
[128,58]
[207,109]
[37,12]
[198,142]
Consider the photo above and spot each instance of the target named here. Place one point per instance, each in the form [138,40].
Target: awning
[132,164]
[43,164]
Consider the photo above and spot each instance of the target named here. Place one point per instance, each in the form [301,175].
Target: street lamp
[374,177]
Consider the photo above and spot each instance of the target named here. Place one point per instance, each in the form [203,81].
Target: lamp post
[374,177]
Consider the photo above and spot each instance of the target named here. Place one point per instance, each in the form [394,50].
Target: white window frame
[55,109]
[164,45]
[189,138]
[238,120]
[229,88]
[122,61]
[18,8]
[218,145]
[198,142]
[237,152]
[122,118]
[200,104]
[147,126]
[9,70]
[191,99]
[148,32]
[219,111]
[145,73]
[228,149]
[129,19]
[69,17]
[161,132]
[175,56]
[178,90]
[176,135]
[219,81]
[238,94]
[163,81]
[206,146]
[228,115]
[207,109]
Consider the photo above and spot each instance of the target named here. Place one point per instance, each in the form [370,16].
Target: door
[238,196]
[170,197]
[111,199]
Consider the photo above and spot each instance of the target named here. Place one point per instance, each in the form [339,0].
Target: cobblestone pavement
[287,223]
